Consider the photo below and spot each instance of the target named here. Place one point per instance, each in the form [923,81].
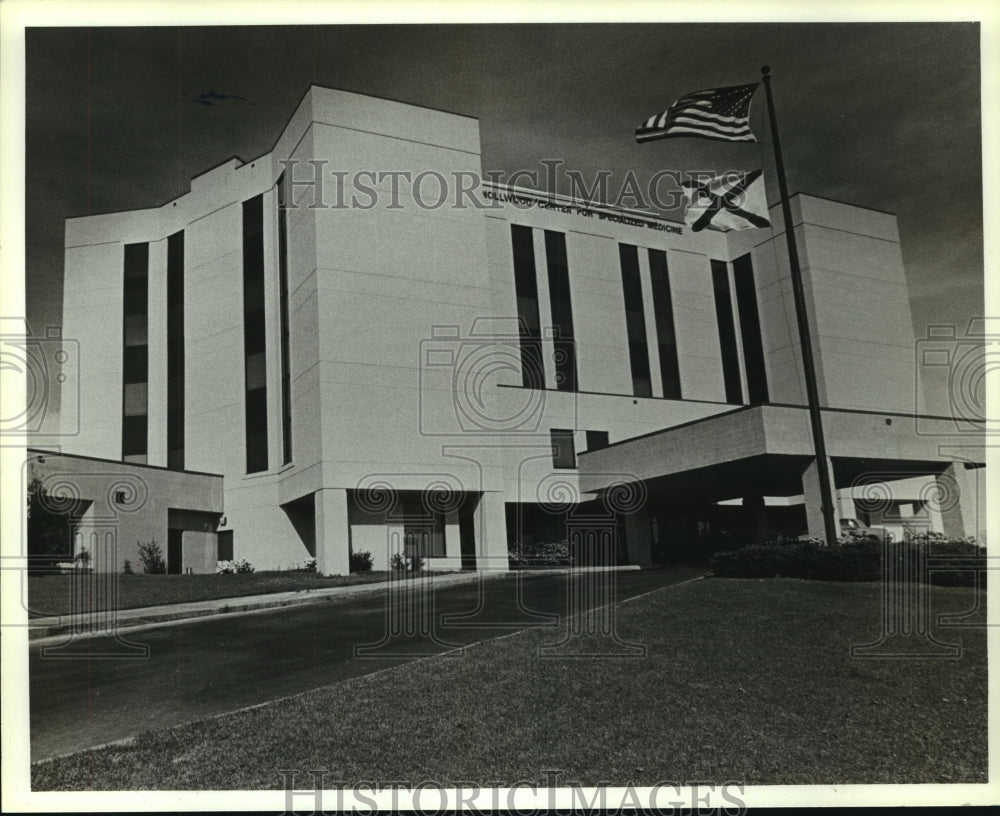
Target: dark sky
[880,115]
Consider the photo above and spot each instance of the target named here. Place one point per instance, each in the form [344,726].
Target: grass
[51,594]
[744,680]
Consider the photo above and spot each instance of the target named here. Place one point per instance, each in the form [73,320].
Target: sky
[885,116]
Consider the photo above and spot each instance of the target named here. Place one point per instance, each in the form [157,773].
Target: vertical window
[135,354]
[597,440]
[664,314]
[635,322]
[727,332]
[254,340]
[753,345]
[526,289]
[286,372]
[563,449]
[562,310]
[175,351]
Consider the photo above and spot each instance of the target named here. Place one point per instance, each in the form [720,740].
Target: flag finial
[765,70]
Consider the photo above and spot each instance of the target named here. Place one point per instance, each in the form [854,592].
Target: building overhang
[765,448]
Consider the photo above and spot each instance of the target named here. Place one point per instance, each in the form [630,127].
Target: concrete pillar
[812,498]
[332,532]
[452,537]
[638,537]
[755,515]
[491,533]
[948,501]
[845,503]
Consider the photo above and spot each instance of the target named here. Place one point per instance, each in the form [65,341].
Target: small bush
[361,562]
[243,566]
[151,557]
[408,563]
[127,567]
[541,554]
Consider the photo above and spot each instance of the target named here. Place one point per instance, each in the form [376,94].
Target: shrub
[310,565]
[541,554]
[400,563]
[953,563]
[224,568]
[242,566]
[360,562]
[127,567]
[151,557]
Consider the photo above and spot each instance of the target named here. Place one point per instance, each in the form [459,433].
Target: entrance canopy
[764,449]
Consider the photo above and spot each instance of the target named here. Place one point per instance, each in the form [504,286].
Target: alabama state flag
[732,201]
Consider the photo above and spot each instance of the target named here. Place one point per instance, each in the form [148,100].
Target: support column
[812,496]
[755,515]
[332,532]
[948,501]
[638,537]
[491,534]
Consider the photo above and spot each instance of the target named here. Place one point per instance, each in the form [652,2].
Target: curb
[104,624]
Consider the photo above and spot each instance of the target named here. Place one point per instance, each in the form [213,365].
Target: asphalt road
[214,665]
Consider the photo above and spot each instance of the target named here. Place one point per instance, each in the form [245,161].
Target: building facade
[379,353]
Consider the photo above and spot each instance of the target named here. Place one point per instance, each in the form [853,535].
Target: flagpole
[812,390]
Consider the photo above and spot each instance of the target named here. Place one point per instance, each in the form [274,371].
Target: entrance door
[467,533]
[174,551]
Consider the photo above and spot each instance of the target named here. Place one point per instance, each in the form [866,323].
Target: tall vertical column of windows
[286,371]
[526,290]
[254,337]
[135,367]
[753,345]
[562,311]
[175,351]
[664,318]
[727,332]
[635,321]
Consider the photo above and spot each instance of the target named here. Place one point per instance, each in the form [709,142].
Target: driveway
[214,665]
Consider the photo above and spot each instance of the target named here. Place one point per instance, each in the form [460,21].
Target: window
[597,440]
[286,374]
[664,314]
[635,322]
[526,290]
[135,354]
[254,337]
[753,345]
[563,449]
[175,351]
[727,333]
[562,310]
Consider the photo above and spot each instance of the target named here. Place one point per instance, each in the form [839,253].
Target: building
[378,353]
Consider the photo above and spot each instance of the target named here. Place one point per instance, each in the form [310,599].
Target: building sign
[526,201]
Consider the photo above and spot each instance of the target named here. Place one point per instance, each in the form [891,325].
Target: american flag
[718,113]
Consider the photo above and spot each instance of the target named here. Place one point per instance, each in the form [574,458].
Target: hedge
[951,563]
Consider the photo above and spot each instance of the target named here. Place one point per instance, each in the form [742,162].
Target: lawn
[52,594]
[744,681]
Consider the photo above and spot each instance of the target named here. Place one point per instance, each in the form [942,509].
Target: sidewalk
[100,624]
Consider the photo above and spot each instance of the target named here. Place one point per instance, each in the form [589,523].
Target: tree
[49,532]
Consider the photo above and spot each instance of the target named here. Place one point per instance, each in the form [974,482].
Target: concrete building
[378,353]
